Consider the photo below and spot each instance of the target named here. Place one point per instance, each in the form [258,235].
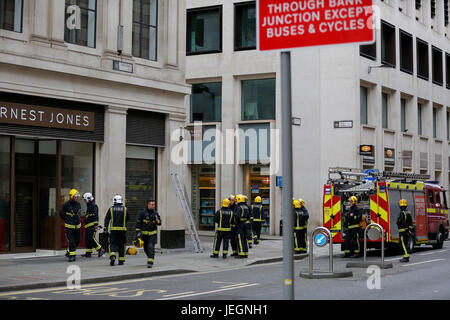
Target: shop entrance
[257,183]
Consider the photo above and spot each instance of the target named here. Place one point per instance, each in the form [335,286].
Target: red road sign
[284,24]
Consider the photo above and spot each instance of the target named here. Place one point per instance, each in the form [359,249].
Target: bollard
[321,242]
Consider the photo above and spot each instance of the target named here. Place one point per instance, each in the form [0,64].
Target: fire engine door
[421,216]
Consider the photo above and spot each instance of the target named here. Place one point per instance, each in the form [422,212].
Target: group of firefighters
[237,222]
[115,227]
[352,223]
[240,224]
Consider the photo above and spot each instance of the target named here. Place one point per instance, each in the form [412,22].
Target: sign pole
[286,144]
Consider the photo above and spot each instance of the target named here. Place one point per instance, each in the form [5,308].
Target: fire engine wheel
[411,242]
[440,240]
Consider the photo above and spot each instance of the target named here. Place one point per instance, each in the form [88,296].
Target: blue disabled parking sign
[320,239]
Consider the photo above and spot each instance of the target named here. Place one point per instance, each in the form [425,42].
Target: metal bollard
[380,228]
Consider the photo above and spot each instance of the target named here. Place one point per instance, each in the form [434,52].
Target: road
[425,277]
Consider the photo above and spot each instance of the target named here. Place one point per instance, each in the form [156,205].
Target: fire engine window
[445,200]
[430,197]
[438,198]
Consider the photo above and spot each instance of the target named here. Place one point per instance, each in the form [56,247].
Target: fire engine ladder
[181,195]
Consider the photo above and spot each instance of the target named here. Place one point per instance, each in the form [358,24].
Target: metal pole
[286,144]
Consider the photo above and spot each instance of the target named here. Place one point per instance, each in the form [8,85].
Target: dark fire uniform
[90,222]
[118,217]
[242,215]
[405,227]
[146,229]
[301,217]
[70,213]
[224,218]
[351,238]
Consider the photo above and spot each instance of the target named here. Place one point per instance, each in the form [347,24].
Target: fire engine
[378,195]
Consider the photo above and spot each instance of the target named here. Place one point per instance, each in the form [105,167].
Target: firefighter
[405,228]
[147,229]
[70,213]
[248,224]
[241,216]
[301,217]
[233,235]
[91,226]
[258,218]
[352,246]
[224,218]
[117,215]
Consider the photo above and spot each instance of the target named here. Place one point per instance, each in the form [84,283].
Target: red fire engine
[378,195]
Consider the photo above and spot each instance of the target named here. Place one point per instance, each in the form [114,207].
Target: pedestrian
[224,218]
[405,228]
[147,229]
[241,215]
[301,217]
[91,226]
[257,211]
[233,235]
[70,213]
[118,217]
[248,224]
[352,246]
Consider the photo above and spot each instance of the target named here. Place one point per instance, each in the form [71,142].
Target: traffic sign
[320,239]
[285,24]
[369,177]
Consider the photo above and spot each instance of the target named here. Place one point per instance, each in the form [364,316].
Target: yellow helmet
[302,202]
[74,194]
[225,203]
[131,251]
[354,199]
[402,203]
[240,198]
[138,243]
[231,197]
[258,199]
[296,203]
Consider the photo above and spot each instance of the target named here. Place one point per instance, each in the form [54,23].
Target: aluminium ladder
[181,195]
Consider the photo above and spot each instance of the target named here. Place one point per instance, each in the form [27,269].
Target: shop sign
[29,115]
[366,150]
[389,156]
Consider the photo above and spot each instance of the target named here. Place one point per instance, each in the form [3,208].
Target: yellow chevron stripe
[327,213]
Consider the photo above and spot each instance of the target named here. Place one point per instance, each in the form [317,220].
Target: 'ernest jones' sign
[284,24]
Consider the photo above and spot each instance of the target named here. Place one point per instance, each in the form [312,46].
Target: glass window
[140,183]
[258,99]
[363,104]
[5,196]
[206,102]
[419,118]
[85,35]
[403,114]
[384,110]
[387,43]
[77,168]
[204,30]
[406,52]
[438,67]
[11,15]
[145,26]
[422,59]
[434,123]
[447,68]
[245,26]
[254,143]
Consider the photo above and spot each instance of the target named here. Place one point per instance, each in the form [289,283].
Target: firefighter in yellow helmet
[301,217]
[242,214]
[405,228]
[258,214]
[70,213]
[352,246]
[224,218]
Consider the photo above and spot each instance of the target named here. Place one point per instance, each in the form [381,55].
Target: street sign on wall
[284,24]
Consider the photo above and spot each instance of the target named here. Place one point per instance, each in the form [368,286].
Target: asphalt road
[425,277]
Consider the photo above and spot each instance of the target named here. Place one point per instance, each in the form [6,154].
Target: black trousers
[117,244]
[404,242]
[351,241]
[149,247]
[221,236]
[89,239]
[300,240]
[241,239]
[249,232]
[233,240]
[73,237]
[256,228]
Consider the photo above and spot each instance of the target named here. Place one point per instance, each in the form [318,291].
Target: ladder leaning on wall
[181,195]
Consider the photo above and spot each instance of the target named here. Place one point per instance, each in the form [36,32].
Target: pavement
[50,268]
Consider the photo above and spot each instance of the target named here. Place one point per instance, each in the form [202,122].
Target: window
[406,52]
[384,110]
[206,102]
[363,104]
[258,99]
[11,15]
[433,8]
[430,197]
[369,51]
[145,29]
[387,43]
[419,119]
[447,68]
[418,4]
[434,123]
[446,12]
[422,59]
[403,114]
[204,30]
[5,193]
[245,26]
[448,125]
[437,66]
[85,36]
